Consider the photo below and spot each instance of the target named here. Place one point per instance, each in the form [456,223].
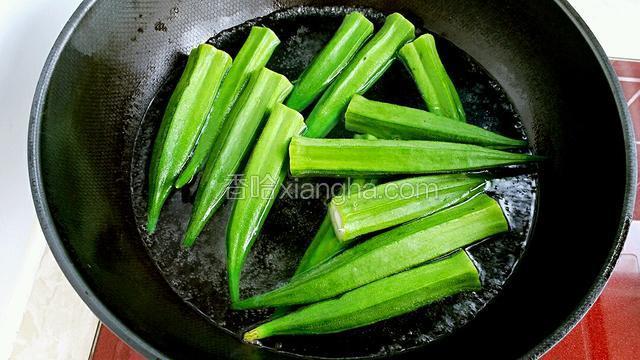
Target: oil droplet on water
[198,274]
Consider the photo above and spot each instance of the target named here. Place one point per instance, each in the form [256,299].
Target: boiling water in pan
[198,274]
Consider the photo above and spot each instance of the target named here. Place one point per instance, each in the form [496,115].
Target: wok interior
[121,53]
[199,274]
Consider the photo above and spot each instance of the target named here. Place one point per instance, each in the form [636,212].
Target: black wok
[92,120]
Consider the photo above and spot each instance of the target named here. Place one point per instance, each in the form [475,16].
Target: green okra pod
[263,177]
[398,202]
[391,252]
[253,55]
[182,122]
[389,121]
[380,300]
[423,62]
[351,157]
[352,33]
[265,89]
[362,72]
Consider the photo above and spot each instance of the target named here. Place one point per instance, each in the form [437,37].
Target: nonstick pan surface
[199,275]
[532,70]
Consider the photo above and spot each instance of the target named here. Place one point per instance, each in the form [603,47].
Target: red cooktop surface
[610,330]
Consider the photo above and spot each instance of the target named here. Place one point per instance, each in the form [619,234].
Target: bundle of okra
[222,110]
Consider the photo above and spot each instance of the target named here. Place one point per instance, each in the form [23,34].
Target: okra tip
[190,237]
[182,180]
[534,157]
[518,144]
[151,224]
[252,335]
[234,284]
[153,216]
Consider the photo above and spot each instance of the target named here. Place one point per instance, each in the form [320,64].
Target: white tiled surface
[12,312]
[56,324]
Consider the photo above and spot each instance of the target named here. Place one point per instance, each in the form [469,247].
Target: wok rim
[81,287]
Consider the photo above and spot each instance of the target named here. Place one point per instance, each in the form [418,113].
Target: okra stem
[182,122]
[391,252]
[361,73]
[438,92]
[352,33]
[399,201]
[253,55]
[263,176]
[380,300]
[265,89]
[351,157]
[389,121]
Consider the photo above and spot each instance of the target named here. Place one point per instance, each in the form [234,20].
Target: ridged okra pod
[352,157]
[334,57]
[265,89]
[389,121]
[253,55]
[362,72]
[182,122]
[400,201]
[380,300]
[438,92]
[263,176]
[391,252]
